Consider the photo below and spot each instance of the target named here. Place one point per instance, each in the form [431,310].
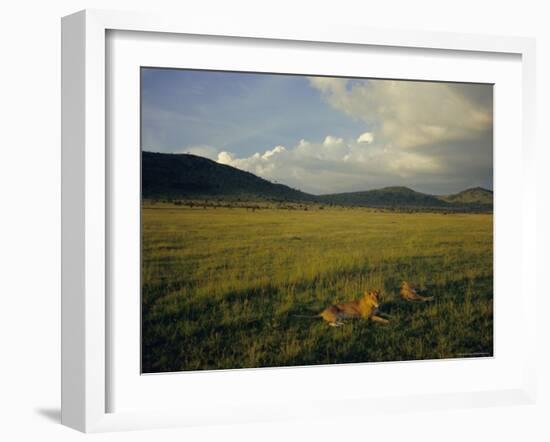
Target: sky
[324,134]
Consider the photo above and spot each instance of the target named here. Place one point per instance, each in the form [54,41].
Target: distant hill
[190,176]
[386,197]
[475,195]
[186,176]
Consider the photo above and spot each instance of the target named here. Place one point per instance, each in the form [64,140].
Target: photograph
[303,220]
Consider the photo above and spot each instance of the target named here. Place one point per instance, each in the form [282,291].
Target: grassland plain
[222,287]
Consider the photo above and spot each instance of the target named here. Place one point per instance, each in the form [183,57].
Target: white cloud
[277,149]
[365,137]
[327,84]
[409,114]
[262,165]
[225,158]
[333,165]
[434,137]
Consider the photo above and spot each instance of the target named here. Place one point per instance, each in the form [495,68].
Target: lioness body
[364,308]
[409,293]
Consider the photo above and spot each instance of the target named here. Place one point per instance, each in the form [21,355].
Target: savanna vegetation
[225,286]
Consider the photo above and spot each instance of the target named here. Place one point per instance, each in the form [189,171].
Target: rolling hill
[386,197]
[190,176]
[186,176]
[475,195]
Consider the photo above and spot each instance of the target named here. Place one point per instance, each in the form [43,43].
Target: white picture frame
[86,205]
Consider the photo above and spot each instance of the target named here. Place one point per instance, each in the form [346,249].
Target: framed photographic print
[251,215]
[248,255]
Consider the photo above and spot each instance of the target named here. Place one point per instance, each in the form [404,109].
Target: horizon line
[323,194]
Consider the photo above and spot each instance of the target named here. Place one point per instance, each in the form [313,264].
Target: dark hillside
[386,197]
[191,176]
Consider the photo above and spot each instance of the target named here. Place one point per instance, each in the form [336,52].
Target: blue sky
[323,134]
[239,112]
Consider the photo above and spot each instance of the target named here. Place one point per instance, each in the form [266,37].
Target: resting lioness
[410,293]
[364,308]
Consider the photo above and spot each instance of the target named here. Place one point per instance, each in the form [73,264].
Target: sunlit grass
[221,287]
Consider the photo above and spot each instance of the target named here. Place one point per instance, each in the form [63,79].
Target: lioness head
[372,296]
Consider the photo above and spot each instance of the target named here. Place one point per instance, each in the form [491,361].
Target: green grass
[221,287]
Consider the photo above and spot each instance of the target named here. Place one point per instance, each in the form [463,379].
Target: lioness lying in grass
[410,293]
[364,308]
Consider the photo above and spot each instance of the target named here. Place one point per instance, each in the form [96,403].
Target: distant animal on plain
[410,293]
[363,308]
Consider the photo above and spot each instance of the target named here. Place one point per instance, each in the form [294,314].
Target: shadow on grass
[223,329]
